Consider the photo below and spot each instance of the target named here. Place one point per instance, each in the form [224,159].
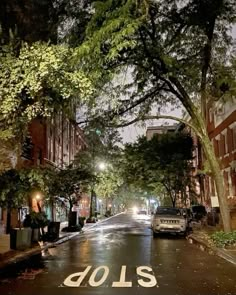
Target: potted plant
[36,221]
[12,196]
[82,221]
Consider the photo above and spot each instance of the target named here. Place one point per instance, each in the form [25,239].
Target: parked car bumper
[170,229]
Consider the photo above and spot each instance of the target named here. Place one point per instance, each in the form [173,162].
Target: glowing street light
[38,197]
[102,166]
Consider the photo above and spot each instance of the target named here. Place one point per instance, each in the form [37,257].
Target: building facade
[221,127]
[50,142]
[163,129]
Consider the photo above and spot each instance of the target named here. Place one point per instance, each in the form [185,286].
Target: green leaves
[37,81]
[222,239]
[163,160]
[16,185]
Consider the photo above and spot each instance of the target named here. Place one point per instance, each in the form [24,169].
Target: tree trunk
[52,209]
[8,227]
[173,199]
[219,181]
[70,214]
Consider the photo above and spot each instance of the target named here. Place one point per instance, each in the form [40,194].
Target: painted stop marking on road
[99,275]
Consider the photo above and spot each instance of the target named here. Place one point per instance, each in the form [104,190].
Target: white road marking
[76,279]
[92,281]
[68,281]
[152,280]
[122,282]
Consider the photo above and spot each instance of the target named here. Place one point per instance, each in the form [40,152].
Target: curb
[211,249]
[20,257]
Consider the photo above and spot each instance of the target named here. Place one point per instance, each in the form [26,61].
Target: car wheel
[155,235]
[184,234]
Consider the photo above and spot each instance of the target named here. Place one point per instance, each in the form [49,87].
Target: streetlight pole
[93,200]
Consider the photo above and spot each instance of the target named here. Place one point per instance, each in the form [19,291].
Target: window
[226,180]
[39,160]
[222,145]
[230,140]
[213,192]
[216,145]
[234,138]
[210,115]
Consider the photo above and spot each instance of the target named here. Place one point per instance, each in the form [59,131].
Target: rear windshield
[168,211]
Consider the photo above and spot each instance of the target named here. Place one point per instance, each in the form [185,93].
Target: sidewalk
[201,237]
[12,257]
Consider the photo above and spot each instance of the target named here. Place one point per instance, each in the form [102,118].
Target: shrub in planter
[91,219]
[108,213]
[81,221]
[74,228]
[36,221]
[53,231]
[20,238]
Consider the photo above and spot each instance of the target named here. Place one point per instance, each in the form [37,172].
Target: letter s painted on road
[152,280]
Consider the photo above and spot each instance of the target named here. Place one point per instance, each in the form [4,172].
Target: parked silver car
[168,220]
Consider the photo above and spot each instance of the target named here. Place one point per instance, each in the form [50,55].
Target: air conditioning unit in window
[233,165]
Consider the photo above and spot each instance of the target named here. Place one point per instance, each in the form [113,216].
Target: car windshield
[200,209]
[168,211]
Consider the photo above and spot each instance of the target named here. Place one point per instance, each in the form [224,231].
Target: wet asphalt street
[120,256]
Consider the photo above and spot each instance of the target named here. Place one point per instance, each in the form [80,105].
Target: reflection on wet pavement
[123,246]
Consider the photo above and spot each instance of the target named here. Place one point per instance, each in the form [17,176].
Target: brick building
[50,142]
[54,141]
[221,127]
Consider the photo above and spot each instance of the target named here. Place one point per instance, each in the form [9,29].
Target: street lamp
[102,166]
[38,197]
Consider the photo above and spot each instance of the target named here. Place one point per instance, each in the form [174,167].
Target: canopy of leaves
[16,185]
[164,160]
[36,82]
[165,48]
[68,184]
[38,77]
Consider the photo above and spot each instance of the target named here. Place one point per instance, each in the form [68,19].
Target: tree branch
[157,117]
[183,97]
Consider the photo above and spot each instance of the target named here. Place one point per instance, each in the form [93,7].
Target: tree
[172,51]
[108,184]
[16,187]
[68,184]
[164,160]
[102,147]
[42,79]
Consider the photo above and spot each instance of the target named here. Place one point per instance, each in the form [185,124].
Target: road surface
[120,256]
